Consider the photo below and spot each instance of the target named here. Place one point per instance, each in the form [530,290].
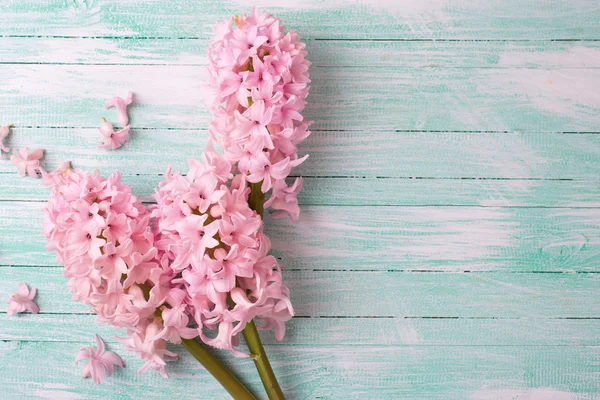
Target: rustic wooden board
[517,155]
[349,294]
[396,331]
[382,191]
[322,53]
[388,238]
[335,19]
[438,372]
[342,98]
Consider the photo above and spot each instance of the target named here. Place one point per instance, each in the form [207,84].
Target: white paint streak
[571,57]
[571,92]
[100,82]
[55,386]
[59,395]
[406,330]
[523,394]
[421,16]
[457,234]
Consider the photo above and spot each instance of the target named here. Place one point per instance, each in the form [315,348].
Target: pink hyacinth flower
[121,106]
[100,362]
[4,132]
[28,163]
[50,179]
[22,301]
[112,140]
[284,199]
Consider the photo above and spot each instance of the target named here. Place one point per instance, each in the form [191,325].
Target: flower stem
[267,376]
[256,201]
[217,370]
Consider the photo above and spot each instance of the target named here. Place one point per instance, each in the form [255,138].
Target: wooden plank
[334,154]
[353,98]
[360,372]
[350,294]
[371,19]
[322,53]
[344,331]
[359,191]
[387,238]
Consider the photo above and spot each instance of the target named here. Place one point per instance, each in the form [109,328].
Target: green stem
[267,376]
[217,370]
[256,201]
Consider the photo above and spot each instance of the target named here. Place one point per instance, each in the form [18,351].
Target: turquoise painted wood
[449,246]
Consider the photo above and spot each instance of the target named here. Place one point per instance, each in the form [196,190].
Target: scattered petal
[100,362]
[121,106]
[28,163]
[22,301]
[112,140]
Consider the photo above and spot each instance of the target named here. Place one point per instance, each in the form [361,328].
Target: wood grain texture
[338,19]
[342,294]
[535,54]
[382,191]
[388,238]
[436,372]
[322,331]
[342,98]
[337,154]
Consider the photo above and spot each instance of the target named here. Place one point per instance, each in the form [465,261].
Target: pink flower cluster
[101,234]
[215,244]
[259,80]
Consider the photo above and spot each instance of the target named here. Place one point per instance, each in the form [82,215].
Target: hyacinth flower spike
[258,81]
[102,236]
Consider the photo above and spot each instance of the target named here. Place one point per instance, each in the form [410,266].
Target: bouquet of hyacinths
[196,264]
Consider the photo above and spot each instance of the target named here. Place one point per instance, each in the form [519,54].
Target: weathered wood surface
[518,155]
[322,53]
[381,191]
[450,238]
[335,19]
[430,295]
[342,98]
[367,372]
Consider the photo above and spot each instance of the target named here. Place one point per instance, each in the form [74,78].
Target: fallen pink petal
[100,362]
[112,139]
[22,301]
[121,105]
[27,163]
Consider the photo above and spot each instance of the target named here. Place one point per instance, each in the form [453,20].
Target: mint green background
[449,244]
